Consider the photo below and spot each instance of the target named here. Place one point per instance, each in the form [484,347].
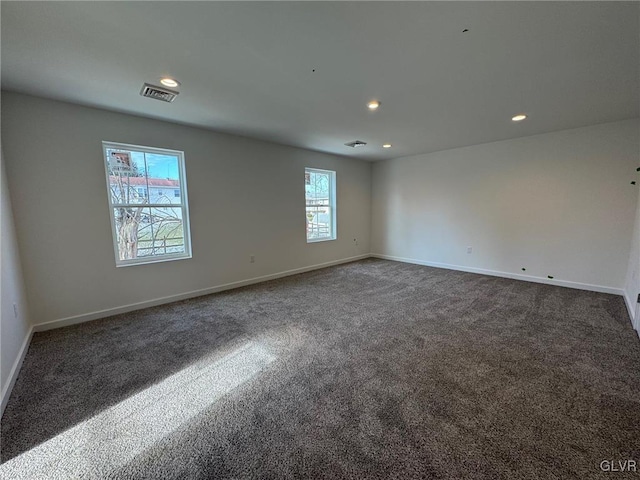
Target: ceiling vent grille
[356,144]
[158,93]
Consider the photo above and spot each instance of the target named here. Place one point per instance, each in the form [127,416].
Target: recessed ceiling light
[169,82]
[519,117]
[373,104]
[386,145]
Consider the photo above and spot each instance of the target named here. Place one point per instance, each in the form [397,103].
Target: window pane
[127,182]
[132,224]
[318,187]
[164,178]
[167,234]
[318,222]
[144,232]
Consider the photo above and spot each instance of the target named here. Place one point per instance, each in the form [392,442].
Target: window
[147,228]
[320,193]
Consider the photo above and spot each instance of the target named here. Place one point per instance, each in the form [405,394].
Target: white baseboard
[86,317]
[15,370]
[515,276]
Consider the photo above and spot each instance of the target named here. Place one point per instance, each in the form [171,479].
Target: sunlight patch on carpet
[114,437]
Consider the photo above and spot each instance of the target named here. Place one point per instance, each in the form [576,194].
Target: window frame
[184,204]
[333,187]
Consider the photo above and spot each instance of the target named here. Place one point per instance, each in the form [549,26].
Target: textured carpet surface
[373,369]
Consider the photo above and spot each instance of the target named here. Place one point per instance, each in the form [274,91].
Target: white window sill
[145,261]
[316,240]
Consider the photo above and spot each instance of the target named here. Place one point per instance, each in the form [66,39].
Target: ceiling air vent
[158,93]
[356,144]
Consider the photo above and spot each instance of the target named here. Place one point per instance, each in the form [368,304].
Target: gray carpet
[373,369]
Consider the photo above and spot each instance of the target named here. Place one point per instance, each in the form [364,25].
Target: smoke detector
[356,144]
[158,93]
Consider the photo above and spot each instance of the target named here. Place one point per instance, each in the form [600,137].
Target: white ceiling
[248,68]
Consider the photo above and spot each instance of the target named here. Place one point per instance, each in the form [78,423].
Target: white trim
[86,317]
[514,276]
[316,240]
[15,370]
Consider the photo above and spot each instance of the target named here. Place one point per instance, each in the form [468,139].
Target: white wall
[246,198]
[15,330]
[632,284]
[557,204]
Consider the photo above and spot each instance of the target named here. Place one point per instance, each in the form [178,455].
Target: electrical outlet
[252,259]
[469,249]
